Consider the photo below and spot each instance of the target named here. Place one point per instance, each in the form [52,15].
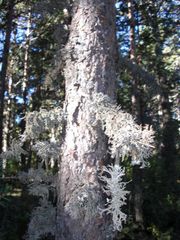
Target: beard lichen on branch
[125,138]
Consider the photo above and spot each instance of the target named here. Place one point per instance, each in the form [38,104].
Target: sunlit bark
[90,68]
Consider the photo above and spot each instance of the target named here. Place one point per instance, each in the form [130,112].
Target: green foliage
[157,51]
[133,231]
[156,41]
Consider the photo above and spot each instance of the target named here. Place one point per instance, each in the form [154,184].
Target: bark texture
[90,68]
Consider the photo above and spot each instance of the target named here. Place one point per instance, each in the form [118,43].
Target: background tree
[5,55]
[150,78]
[150,16]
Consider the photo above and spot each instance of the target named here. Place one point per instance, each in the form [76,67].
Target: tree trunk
[167,127]
[90,68]
[7,115]
[26,161]
[132,28]
[137,112]
[4,68]
[169,134]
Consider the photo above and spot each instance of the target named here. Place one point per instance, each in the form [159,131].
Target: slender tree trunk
[90,68]
[167,127]
[26,56]
[168,149]
[4,68]
[136,111]
[132,28]
[24,159]
[7,114]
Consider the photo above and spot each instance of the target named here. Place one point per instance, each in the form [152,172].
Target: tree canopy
[89,120]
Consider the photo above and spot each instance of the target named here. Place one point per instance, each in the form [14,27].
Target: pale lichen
[116,194]
[126,138]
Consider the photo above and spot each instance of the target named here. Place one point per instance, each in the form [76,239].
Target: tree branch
[139,73]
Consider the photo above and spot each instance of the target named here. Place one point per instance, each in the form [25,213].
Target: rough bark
[90,68]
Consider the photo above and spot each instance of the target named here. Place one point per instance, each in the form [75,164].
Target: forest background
[32,36]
